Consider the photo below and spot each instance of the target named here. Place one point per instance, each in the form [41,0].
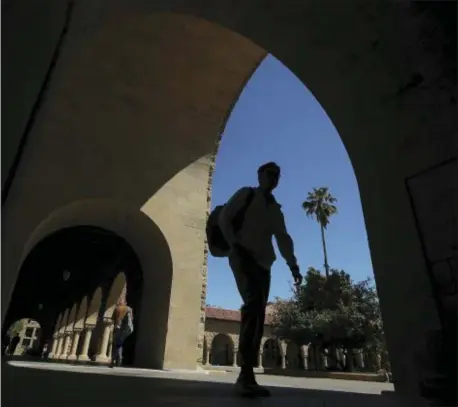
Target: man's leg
[114,347]
[264,282]
[253,283]
[119,358]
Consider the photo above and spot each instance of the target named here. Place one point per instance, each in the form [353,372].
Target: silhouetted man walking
[248,222]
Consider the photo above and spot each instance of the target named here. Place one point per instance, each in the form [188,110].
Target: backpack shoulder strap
[248,201]
[250,195]
[239,218]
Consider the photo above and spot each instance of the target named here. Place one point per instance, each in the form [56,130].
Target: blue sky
[278,119]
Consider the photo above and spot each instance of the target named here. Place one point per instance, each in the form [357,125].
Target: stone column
[102,355]
[60,342]
[76,339]
[84,357]
[54,347]
[359,359]
[234,359]
[323,361]
[378,361]
[207,356]
[64,353]
[260,360]
[283,361]
[305,359]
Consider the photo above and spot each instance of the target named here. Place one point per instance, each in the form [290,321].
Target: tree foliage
[321,204]
[330,312]
[16,327]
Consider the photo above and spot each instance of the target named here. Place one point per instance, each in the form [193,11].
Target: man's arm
[228,213]
[284,241]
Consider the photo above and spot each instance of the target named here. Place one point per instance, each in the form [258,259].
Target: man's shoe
[244,388]
[260,391]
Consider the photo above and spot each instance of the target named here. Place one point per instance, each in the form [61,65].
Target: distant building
[29,337]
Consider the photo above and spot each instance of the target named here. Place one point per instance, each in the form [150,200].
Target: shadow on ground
[26,387]
[359,376]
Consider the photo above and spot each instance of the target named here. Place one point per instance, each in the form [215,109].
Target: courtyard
[53,384]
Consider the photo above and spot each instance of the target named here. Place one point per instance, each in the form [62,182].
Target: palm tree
[320,203]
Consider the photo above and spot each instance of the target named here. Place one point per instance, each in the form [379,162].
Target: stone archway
[271,353]
[384,89]
[24,337]
[293,356]
[222,350]
[149,252]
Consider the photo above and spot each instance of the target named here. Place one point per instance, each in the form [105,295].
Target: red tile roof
[229,315]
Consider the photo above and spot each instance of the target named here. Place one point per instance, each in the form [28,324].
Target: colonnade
[275,353]
[74,345]
[84,333]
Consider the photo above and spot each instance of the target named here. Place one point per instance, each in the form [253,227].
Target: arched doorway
[222,350]
[24,336]
[271,356]
[74,263]
[313,357]
[293,356]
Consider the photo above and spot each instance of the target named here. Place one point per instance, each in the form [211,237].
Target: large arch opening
[359,77]
[271,355]
[275,102]
[293,356]
[62,270]
[22,338]
[222,353]
[153,273]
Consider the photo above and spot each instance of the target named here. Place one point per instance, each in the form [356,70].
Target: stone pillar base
[83,358]
[72,357]
[102,359]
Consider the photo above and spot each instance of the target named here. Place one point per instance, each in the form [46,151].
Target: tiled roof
[229,315]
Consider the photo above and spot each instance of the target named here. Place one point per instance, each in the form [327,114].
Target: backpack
[217,244]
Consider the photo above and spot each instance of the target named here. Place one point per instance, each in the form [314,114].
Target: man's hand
[296,275]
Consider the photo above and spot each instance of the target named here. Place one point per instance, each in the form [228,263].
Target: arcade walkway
[51,385]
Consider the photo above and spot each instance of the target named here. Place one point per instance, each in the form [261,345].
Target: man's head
[121,301]
[268,176]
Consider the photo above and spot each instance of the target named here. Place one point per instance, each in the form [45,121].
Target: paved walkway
[35,384]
